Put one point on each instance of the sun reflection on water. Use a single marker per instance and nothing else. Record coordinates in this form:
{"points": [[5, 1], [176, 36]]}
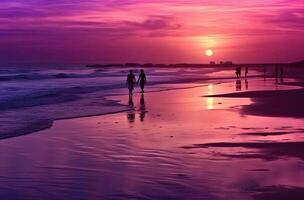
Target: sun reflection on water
{"points": [[210, 100]]}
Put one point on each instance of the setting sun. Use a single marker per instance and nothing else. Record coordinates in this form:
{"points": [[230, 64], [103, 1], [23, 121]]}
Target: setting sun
{"points": [[209, 52]]}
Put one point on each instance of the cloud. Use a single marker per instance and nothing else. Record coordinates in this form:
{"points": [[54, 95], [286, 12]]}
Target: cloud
{"points": [[293, 18], [154, 23]]}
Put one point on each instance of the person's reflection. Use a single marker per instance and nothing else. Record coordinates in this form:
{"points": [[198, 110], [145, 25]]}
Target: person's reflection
{"points": [[246, 84], [131, 103], [238, 85], [142, 110], [131, 113]]}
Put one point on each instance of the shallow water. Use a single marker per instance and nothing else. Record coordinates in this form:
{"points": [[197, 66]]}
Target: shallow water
{"points": [[27, 93], [149, 152]]}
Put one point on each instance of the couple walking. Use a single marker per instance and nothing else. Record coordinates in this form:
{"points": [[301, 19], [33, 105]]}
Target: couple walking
{"points": [[131, 80]]}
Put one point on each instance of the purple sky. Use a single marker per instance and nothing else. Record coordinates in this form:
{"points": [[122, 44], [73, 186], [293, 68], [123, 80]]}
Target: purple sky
{"points": [[76, 32]]}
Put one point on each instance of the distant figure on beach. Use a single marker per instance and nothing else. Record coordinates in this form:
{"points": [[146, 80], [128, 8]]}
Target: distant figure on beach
{"points": [[246, 84], [246, 72], [130, 82], [238, 72], [142, 80], [281, 72], [276, 72]]}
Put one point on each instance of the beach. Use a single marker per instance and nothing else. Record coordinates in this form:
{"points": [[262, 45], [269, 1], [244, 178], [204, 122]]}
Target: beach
{"points": [[151, 100], [199, 137]]}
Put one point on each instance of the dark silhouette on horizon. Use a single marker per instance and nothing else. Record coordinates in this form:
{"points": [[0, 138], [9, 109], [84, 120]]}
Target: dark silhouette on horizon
{"points": [[281, 72], [238, 72], [246, 71], [142, 80], [276, 72], [130, 82], [246, 84], [299, 63]]}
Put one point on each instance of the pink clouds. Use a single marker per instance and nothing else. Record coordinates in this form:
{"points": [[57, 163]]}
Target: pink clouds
{"points": [[99, 30]]}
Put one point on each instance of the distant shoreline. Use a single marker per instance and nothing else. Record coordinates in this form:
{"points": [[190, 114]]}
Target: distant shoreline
{"points": [[223, 64]]}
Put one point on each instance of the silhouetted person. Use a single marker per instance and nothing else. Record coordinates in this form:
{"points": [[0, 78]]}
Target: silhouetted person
{"points": [[142, 108], [142, 80], [238, 72], [276, 72], [246, 72], [130, 82], [281, 72], [246, 84]]}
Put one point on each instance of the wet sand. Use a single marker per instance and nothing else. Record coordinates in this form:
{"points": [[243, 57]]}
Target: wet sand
{"points": [[192, 143], [282, 103]]}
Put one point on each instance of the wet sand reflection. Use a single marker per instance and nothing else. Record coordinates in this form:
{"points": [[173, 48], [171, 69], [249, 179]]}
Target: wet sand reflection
{"points": [[141, 111]]}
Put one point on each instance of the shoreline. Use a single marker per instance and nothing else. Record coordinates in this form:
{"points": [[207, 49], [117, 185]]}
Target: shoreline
{"points": [[248, 109], [44, 124]]}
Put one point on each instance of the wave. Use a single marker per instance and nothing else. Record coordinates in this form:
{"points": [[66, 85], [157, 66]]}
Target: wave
{"points": [[37, 76]]}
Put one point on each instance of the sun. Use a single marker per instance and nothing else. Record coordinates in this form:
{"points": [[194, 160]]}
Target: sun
{"points": [[209, 52]]}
